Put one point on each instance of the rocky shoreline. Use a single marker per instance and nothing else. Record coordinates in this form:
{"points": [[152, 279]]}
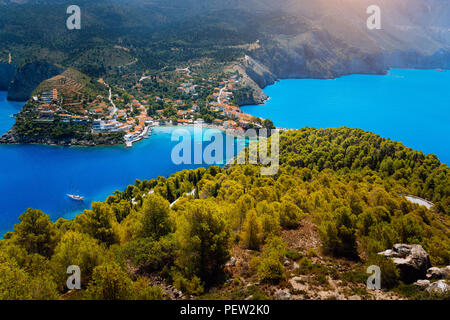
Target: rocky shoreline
{"points": [[11, 137]]}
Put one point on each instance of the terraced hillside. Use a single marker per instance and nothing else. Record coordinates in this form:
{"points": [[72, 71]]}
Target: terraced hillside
{"points": [[61, 111], [78, 92]]}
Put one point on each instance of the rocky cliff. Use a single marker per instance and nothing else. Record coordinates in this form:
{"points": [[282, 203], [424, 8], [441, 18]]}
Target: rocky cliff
{"points": [[313, 54], [28, 77], [6, 75], [327, 39], [318, 54]]}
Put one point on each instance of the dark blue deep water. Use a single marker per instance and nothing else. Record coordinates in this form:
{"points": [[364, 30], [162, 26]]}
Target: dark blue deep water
{"points": [[410, 106]]}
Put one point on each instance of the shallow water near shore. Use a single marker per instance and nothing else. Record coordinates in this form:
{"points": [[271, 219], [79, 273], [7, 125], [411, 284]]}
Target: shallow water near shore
{"points": [[410, 106], [38, 176]]}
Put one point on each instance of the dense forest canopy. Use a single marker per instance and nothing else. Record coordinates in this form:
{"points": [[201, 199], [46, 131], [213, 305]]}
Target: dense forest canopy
{"points": [[349, 183]]}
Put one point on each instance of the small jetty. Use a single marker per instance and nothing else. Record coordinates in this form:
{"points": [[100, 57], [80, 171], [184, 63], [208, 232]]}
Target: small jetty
{"points": [[132, 138]]}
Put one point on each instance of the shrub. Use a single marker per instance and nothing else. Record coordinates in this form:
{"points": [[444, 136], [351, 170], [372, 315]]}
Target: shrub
{"points": [[149, 254], [192, 286], [290, 215], [339, 236], [439, 251], [270, 270], [110, 282], [14, 282], [270, 225], [144, 291], [269, 266], [312, 253], [251, 236], [294, 255]]}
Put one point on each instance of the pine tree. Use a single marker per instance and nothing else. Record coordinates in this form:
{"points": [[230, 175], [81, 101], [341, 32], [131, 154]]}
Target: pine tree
{"points": [[252, 231]]}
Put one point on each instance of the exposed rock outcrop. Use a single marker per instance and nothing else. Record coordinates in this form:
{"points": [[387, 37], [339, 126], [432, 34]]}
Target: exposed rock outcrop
{"points": [[438, 273], [282, 295], [438, 287], [422, 284], [253, 96], [6, 75], [411, 259], [28, 77], [312, 54], [414, 265], [414, 59]]}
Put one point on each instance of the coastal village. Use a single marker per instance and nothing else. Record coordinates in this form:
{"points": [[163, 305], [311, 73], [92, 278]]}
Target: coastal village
{"points": [[185, 99]]}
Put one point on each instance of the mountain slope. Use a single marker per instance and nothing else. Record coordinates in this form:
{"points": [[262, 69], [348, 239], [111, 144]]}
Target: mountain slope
{"points": [[301, 38]]}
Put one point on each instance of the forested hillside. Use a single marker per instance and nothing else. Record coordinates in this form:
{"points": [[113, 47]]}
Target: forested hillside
{"points": [[316, 38], [312, 228], [114, 34]]}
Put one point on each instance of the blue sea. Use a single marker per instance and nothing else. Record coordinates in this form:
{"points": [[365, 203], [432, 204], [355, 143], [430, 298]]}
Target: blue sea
{"points": [[38, 176], [410, 106]]}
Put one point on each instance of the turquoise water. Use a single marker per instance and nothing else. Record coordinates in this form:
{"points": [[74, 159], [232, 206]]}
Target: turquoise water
{"points": [[39, 176], [410, 106]]}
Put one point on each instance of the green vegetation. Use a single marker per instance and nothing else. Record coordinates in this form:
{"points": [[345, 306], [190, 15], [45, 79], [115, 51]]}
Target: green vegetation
{"points": [[116, 37], [349, 183], [269, 266]]}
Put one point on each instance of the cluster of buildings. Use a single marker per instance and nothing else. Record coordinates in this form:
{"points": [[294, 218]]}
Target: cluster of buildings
{"points": [[123, 120], [49, 107], [223, 105], [132, 118], [219, 102], [188, 88]]}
